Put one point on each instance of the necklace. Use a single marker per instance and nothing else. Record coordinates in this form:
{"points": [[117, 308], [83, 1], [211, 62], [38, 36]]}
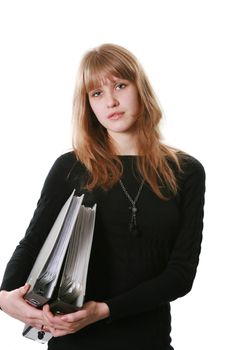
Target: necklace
{"points": [[133, 222]]}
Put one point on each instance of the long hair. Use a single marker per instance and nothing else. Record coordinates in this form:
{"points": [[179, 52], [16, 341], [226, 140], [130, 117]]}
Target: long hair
{"points": [[91, 143]]}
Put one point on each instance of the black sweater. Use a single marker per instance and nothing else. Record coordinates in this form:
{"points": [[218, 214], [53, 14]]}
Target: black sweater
{"points": [[137, 276]]}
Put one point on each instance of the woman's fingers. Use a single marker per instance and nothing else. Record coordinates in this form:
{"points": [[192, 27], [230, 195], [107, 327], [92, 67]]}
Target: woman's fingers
{"points": [[53, 321], [23, 290]]}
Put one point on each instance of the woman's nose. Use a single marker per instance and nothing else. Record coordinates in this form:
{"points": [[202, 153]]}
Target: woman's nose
{"points": [[112, 101]]}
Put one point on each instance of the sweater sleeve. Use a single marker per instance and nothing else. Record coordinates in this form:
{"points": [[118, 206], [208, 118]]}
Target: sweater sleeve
{"points": [[177, 278], [55, 191]]}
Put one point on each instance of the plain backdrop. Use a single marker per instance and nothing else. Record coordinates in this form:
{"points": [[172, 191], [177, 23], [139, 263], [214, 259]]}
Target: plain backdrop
{"points": [[186, 49]]}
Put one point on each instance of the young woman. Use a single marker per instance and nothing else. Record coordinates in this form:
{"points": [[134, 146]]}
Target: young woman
{"points": [[149, 219]]}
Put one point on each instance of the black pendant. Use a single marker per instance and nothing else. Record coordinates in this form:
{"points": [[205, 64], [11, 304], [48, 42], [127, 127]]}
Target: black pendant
{"points": [[133, 222], [134, 230]]}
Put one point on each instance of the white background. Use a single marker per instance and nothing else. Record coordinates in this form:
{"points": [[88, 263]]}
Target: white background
{"points": [[186, 49]]}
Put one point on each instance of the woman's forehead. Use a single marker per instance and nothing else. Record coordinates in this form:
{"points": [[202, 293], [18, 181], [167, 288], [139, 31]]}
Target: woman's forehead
{"points": [[106, 80], [101, 80]]}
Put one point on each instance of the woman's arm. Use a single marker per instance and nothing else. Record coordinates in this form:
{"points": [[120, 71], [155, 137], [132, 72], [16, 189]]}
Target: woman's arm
{"points": [[54, 193]]}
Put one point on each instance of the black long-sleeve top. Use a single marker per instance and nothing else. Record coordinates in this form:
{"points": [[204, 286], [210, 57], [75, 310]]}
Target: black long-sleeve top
{"points": [[137, 276]]}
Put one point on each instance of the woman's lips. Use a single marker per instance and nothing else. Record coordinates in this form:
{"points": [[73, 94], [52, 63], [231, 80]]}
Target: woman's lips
{"points": [[115, 116]]}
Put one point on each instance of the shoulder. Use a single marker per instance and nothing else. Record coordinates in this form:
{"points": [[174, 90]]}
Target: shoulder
{"points": [[65, 160], [191, 165], [192, 173], [62, 170], [186, 165], [66, 163]]}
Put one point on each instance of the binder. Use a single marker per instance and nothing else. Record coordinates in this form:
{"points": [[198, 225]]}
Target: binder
{"points": [[59, 274]]}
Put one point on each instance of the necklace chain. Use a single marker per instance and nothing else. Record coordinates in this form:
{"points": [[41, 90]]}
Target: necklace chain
{"points": [[133, 222]]}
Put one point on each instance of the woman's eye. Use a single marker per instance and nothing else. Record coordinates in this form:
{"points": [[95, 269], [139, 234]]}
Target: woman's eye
{"points": [[95, 93], [121, 86]]}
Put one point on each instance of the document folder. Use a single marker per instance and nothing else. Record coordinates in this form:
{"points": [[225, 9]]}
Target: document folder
{"points": [[59, 274]]}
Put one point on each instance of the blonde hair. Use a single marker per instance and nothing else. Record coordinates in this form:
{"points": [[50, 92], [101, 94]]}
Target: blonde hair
{"points": [[91, 143]]}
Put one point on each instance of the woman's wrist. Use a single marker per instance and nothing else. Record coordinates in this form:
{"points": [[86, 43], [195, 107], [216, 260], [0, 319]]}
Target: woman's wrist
{"points": [[1, 293], [103, 311]]}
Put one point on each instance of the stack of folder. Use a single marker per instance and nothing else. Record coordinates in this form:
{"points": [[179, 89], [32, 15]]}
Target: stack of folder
{"points": [[59, 274]]}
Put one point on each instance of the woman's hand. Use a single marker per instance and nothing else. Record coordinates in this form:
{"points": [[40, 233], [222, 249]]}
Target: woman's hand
{"points": [[14, 304], [70, 323]]}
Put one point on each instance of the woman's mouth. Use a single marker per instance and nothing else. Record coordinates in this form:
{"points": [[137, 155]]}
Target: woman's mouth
{"points": [[115, 116]]}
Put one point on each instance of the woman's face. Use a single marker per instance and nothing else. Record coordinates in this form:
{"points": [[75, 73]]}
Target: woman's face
{"points": [[115, 104]]}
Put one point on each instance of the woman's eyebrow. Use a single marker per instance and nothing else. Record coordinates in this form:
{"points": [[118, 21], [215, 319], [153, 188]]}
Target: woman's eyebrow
{"points": [[106, 81]]}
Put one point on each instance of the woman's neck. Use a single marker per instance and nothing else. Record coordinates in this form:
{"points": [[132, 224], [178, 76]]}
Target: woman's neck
{"points": [[124, 144]]}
